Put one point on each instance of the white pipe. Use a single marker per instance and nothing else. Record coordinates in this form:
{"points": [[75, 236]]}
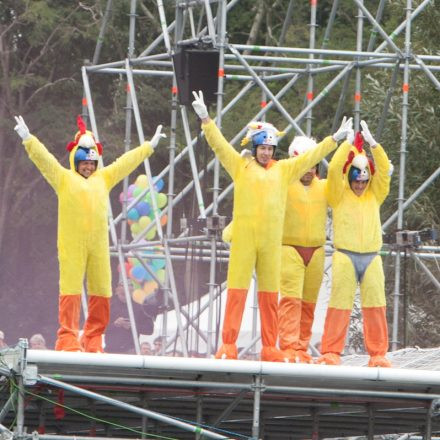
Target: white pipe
{"points": [[326, 373]]}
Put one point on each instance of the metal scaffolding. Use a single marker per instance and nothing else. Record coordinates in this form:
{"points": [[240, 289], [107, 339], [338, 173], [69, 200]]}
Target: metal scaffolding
{"points": [[49, 395], [250, 66]]}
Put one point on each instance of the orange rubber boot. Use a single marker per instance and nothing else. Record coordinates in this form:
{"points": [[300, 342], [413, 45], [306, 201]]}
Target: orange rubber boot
{"points": [[329, 359], [305, 332], [97, 320], [376, 336], [333, 339], [68, 315], [268, 302], [305, 327], [289, 316], [235, 303]]}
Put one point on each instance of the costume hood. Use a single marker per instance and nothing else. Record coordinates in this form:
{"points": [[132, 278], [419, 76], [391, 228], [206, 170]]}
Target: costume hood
{"points": [[357, 158], [84, 139], [261, 133]]}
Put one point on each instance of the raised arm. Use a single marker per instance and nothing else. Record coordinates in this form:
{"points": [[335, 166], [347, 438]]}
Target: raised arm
{"points": [[225, 152], [335, 175], [49, 167], [380, 181], [128, 162], [228, 156], [300, 165]]}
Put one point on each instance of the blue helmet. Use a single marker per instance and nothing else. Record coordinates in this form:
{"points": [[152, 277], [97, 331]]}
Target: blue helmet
{"points": [[83, 153], [261, 133]]}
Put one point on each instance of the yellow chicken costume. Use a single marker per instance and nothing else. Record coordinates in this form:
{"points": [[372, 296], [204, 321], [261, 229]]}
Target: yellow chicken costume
{"points": [[357, 240], [258, 216], [83, 244], [302, 259]]}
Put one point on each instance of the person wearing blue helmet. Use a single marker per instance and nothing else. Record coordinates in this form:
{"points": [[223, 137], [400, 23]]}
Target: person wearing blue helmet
{"points": [[83, 244], [260, 192]]}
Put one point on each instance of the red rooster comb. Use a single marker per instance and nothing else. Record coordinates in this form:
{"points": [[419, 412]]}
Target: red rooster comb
{"points": [[82, 127], [358, 141]]}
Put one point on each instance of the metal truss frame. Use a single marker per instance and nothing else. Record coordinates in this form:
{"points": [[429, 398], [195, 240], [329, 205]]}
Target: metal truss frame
{"points": [[241, 63], [49, 395]]}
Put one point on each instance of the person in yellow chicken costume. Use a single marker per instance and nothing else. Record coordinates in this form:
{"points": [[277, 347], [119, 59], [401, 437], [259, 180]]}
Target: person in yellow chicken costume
{"points": [[83, 245], [356, 188], [260, 191], [302, 257]]}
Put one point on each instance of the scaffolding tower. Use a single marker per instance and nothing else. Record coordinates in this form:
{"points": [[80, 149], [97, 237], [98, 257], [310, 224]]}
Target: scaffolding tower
{"points": [[203, 23], [46, 395]]}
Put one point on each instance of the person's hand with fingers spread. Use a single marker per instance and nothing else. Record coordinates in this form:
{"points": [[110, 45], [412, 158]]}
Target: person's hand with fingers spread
{"points": [[341, 133], [157, 136], [21, 128], [200, 106], [366, 134]]}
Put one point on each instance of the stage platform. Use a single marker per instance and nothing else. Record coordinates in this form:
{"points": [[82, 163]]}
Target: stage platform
{"points": [[130, 396]]}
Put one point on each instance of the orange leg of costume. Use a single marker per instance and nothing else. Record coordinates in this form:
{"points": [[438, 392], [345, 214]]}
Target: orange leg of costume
{"points": [[68, 316], [374, 314], [305, 331], [289, 317], [343, 289], [268, 303], [96, 323], [376, 335], [335, 332], [235, 303]]}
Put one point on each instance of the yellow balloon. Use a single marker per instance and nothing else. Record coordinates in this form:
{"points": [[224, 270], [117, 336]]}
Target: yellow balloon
{"points": [[143, 222], [161, 275], [138, 296], [141, 181], [161, 199], [150, 287], [135, 229], [150, 234]]}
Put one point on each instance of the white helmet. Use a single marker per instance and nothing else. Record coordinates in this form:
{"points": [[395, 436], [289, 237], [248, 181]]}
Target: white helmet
{"points": [[300, 145]]}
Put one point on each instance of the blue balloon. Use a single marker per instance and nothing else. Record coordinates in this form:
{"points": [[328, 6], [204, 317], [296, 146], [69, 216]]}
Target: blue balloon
{"points": [[133, 214], [159, 185], [139, 272], [143, 208], [148, 276], [158, 263]]}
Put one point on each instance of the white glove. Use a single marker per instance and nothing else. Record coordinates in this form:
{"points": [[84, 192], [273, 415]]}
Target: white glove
{"points": [[366, 134], [21, 128], [341, 133], [391, 169], [199, 105], [157, 136], [350, 136]]}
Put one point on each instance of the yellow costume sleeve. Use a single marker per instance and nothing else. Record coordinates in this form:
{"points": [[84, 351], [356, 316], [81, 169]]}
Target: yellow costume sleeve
{"points": [[49, 167], [380, 183], [298, 166], [225, 152], [125, 164], [335, 176], [227, 233]]}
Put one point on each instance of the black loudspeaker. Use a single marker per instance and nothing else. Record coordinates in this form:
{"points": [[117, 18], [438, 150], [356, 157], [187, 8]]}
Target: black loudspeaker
{"points": [[196, 70]]}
